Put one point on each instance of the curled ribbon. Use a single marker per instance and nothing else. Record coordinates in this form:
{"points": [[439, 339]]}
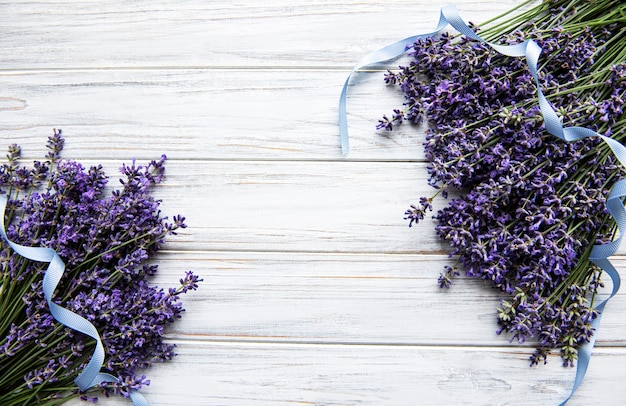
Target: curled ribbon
{"points": [[90, 375], [531, 51]]}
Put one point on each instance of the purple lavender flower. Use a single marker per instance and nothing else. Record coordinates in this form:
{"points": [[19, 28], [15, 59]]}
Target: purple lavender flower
{"points": [[106, 243], [528, 205]]}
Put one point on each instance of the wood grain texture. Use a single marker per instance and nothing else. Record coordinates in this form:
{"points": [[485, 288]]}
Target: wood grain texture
{"points": [[315, 290], [337, 298], [271, 374], [219, 33], [261, 114]]}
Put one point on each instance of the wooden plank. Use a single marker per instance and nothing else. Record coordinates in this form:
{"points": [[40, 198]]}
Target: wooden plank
{"points": [[271, 374], [62, 34], [343, 298], [196, 114], [295, 206]]}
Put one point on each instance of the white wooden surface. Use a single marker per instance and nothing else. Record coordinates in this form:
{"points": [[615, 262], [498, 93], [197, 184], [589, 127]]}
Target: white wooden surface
{"points": [[316, 291]]}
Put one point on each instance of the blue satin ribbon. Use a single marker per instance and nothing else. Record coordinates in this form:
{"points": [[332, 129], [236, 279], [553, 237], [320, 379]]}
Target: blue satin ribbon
{"points": [[90, 375], [531, 51], [383, 54]]}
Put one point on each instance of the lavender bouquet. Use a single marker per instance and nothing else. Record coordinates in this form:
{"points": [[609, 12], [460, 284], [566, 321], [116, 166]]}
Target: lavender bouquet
{"points": [[528, 206], [105, 241]]}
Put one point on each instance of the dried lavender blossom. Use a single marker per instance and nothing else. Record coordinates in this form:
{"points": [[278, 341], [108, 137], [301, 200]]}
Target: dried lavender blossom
{"points": [[106, 242], [529, 205]]}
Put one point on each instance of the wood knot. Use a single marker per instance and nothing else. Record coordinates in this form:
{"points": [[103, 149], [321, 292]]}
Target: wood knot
{"points": [[12, 103]]}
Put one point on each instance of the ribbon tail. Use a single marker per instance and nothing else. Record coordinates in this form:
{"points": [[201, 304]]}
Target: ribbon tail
{"points": [[381, 55]]}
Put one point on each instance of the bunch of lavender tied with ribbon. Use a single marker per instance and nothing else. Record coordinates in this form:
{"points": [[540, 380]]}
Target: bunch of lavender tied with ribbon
{"points": [[105, 241], [529, 206]]}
